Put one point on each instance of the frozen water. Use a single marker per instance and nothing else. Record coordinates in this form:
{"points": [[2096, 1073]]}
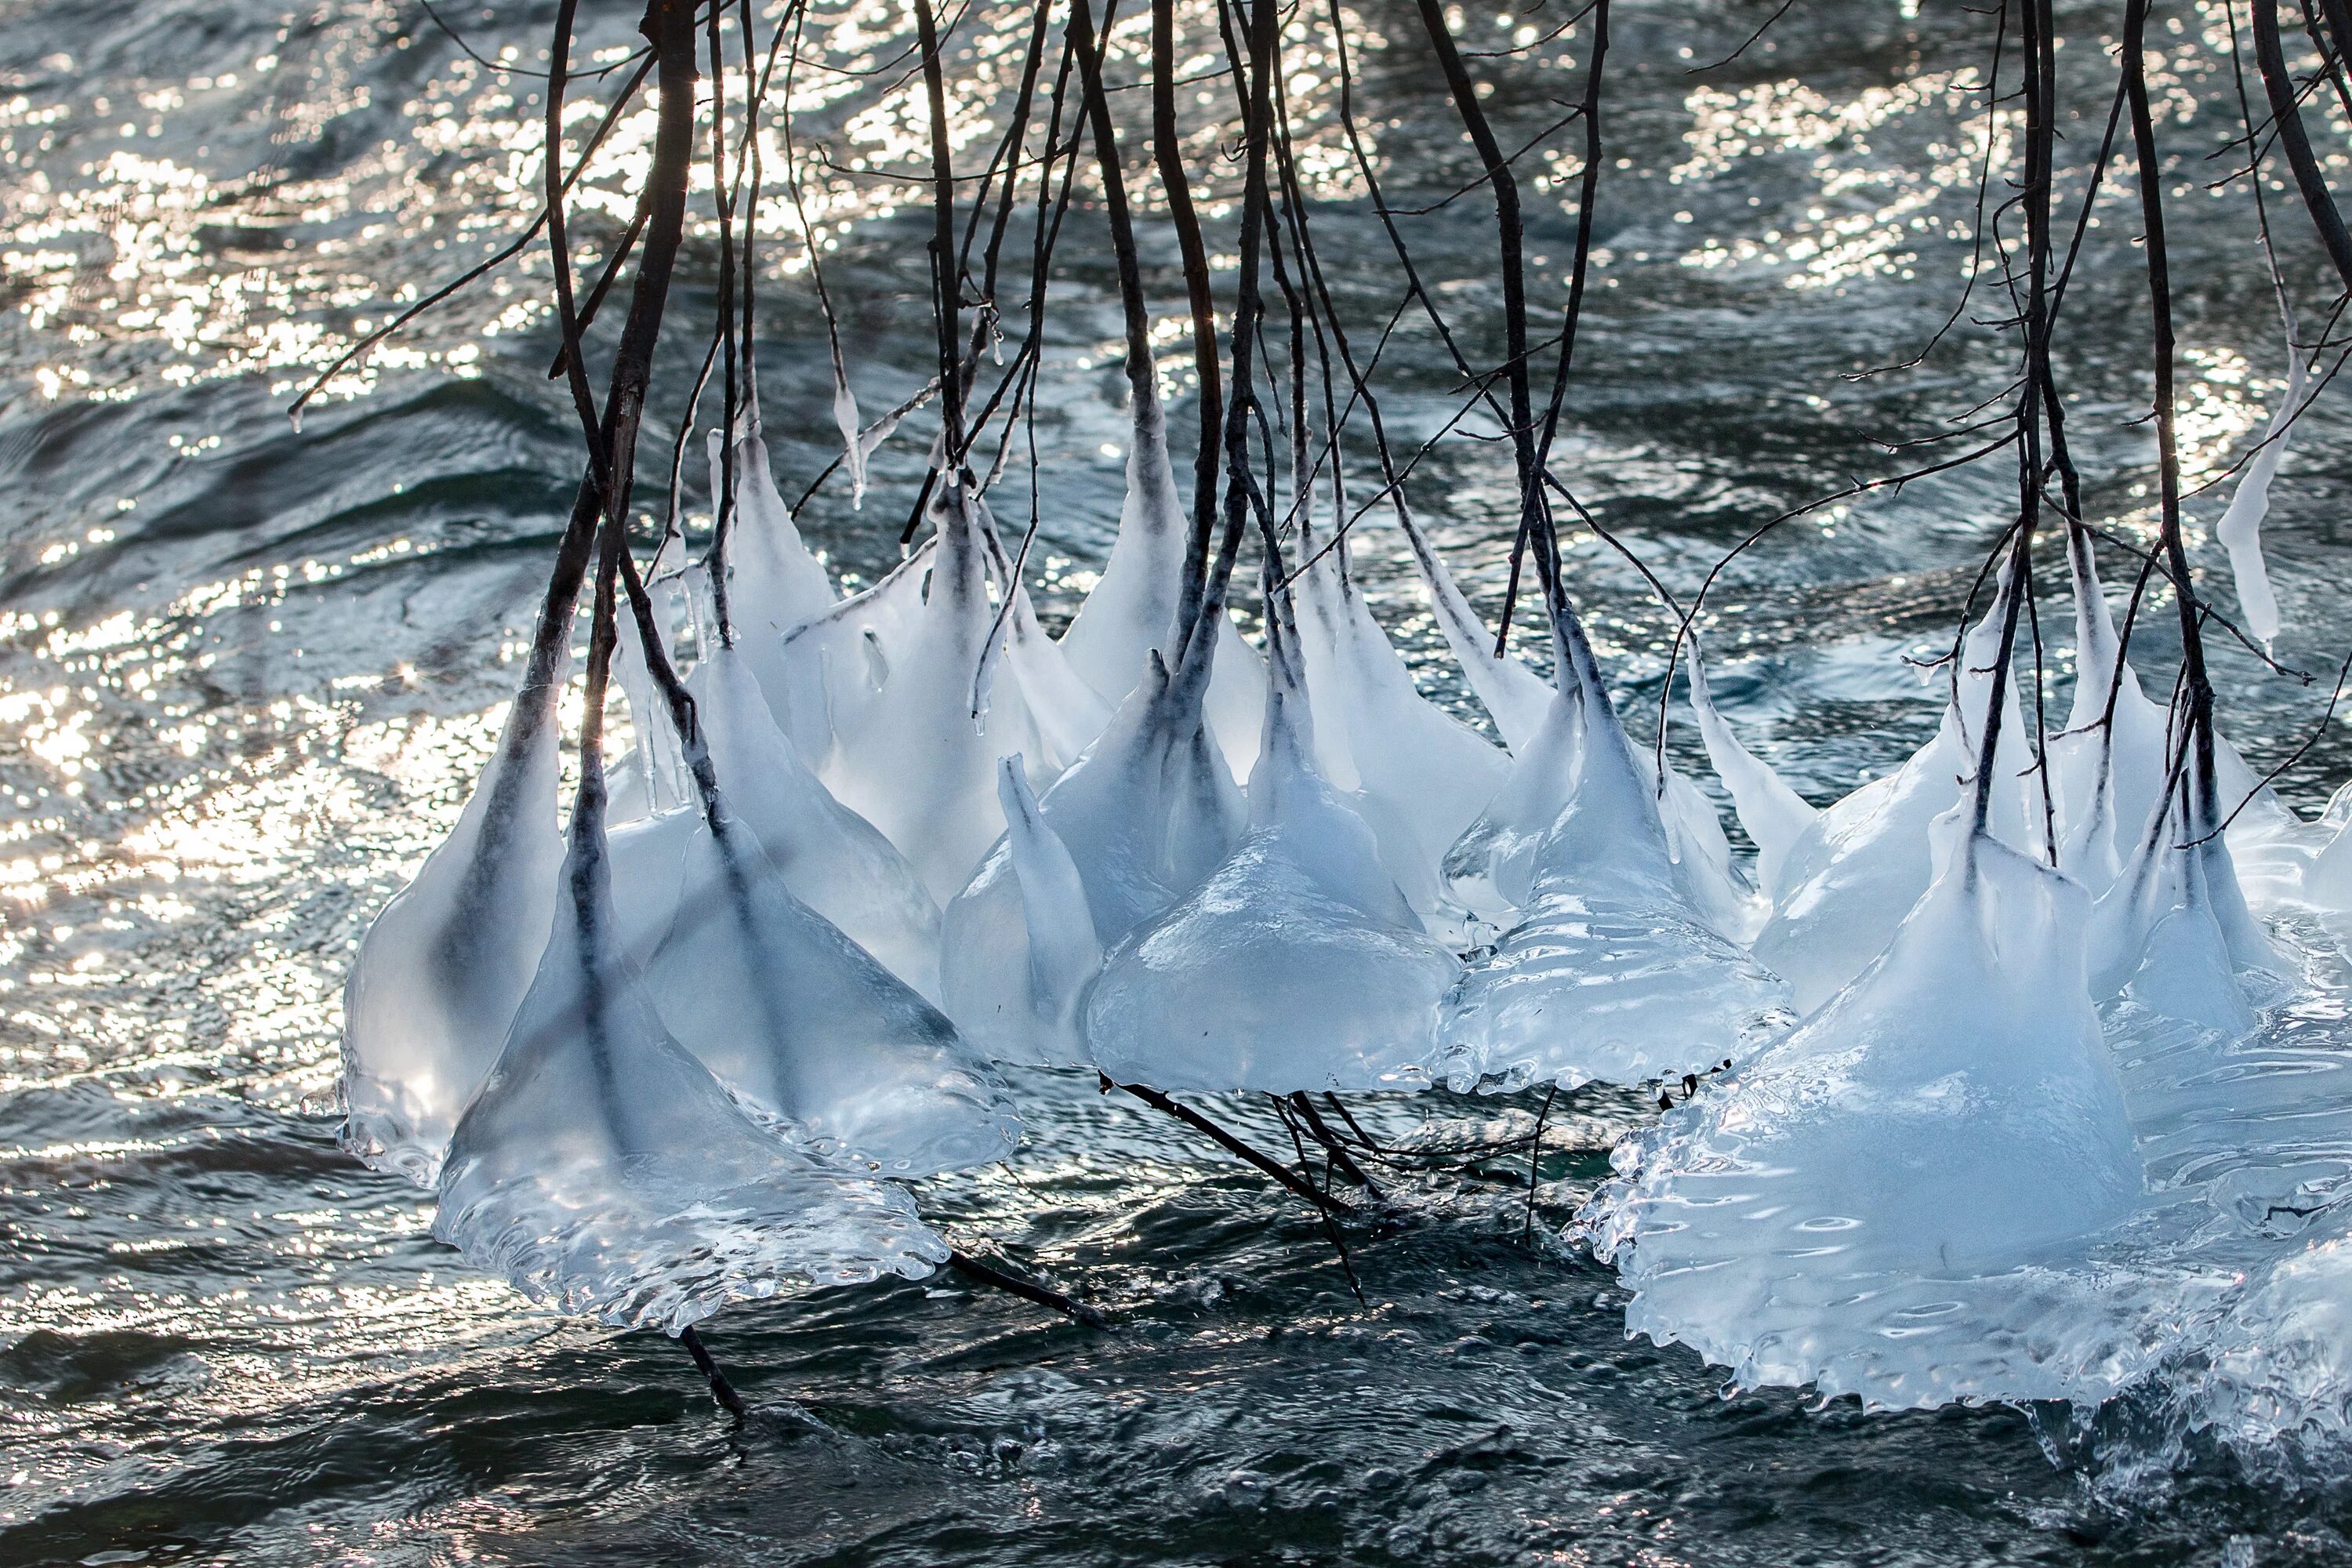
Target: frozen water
{"points": [[1418, 775], [1865, 861], [1610, 971], [1023, 944], [788, 1013], [1143, 818], [1066, 712], [2241, 528], [1131, 609], [1298, 965], [1515, 697], [2108, 768], [918, 765], [653, 776], [774, 585], [2173, 930], [847, 652], [439, 975], [1896, 1199], [603, 1169], [1776, 816], [828, 857]]}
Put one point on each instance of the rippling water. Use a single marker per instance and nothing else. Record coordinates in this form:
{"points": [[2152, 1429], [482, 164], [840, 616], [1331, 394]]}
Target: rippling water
{"points": [[247, 675]]}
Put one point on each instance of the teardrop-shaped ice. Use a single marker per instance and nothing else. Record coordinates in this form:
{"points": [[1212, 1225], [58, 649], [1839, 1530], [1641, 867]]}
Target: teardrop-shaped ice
{"points": [[1298, 965], [440, 973], [2173, 930], [602, 1168], [2241, 528]]}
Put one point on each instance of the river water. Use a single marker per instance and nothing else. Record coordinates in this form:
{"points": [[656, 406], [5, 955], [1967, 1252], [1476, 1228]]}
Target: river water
{"points": [[247, 675]]}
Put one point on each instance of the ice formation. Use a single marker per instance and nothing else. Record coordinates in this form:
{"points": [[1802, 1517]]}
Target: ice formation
{"points": [[1132, 609], [826, 855], [1857, 871], [602, 1168], [919, 764], [1777, 817], [774, 585], [1298, 964], [2241, 528], [1611, 971], [1143, 818], [1888, 1201], [440, 973], [1415, 774], [1514, 696]]}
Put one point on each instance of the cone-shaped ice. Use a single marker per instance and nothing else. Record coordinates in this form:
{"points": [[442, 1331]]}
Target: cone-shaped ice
{"points": [[441, 972], [1610, 973], [787, 1012], [1876, 1203], [1515, 697], [1131, 609], [1865, 861], [1298, 964], [1026, 943], [774, 585], [1066, 712], [2173, 931], [604, 1169], [829, 857], [1776, 817], [1143, 818], [1418, 775], [2109, 766], [652, 777], [2241, 528], [917, 765]]}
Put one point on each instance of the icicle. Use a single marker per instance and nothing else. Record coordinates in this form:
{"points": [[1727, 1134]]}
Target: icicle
{"points": [[441, 970], [603, 1169], [2241, 528], [652, 777], [847, 420], [1298, 964], [1871, 1204], [1418, 775], [1612, 973], [1515, 697], [1776, 817], [828, 857], [1131, 609]]}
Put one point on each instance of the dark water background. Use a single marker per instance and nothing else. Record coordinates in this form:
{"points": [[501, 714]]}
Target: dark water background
{"points": [[245, 676]]}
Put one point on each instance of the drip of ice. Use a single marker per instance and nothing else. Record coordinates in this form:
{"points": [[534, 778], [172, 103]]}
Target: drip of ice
{"points": [[848, 421], [1612, 972], [774, 585], [1417, 774], [790, 1014], [1143, 818], [603, 1169], [827, 855], [439, 975], [1517, 698], [1776, 816], [2241, 528], [1865, 861], [920, 765], [1298, 965], [1894, 1199], [1131, 609]]}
